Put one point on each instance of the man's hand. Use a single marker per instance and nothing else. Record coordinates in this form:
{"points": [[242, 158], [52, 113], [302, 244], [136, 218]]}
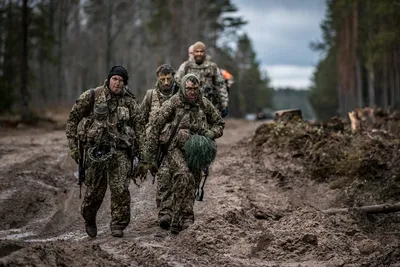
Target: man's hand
{"points": [[224, 112], [143, 167], [75, 155], [209, 134]]}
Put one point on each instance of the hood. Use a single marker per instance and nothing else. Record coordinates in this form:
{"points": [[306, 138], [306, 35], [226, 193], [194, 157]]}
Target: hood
{"points": [[182, 89]]}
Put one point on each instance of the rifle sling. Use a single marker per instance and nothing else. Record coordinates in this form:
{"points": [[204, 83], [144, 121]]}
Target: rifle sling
{"points": [[166, 146]]}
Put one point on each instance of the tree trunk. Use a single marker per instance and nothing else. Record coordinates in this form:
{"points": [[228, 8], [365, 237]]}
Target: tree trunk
{"points": [[371, 87], [385, 89], [108, 33], [26, 115], [392, 81], [60, 80], [396, 79], [360, 101]]}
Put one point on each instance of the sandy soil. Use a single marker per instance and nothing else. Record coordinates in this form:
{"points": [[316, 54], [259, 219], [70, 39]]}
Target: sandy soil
{"points": [[257, 211]]}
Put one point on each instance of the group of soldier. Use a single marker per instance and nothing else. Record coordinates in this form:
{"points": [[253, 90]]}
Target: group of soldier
{"points": [[115, 140]]}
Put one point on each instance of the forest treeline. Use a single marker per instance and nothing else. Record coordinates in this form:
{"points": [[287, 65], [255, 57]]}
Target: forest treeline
{"points": [[53, 50]]}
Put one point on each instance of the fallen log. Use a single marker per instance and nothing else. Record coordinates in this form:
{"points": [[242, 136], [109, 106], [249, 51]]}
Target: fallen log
{"points": [[383, 208], [288, 115]]}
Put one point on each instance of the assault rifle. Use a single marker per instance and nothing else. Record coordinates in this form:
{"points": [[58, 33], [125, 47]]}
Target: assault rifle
{"points": [[211, 94], [163, 148], [200, 190], [81, 169]]}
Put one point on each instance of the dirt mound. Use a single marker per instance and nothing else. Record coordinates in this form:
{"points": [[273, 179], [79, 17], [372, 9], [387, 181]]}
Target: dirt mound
{"points": [[57, 254], [260, 207], [35, 179], [365, 164]]}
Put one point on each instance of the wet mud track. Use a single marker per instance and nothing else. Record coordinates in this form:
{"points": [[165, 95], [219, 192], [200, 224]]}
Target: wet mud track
{"points": [[255, 212]]}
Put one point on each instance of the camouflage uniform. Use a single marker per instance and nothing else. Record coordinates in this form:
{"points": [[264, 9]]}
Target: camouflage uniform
{"points": [[152, 102], [119, 130], [209, 75], [194, 118]]}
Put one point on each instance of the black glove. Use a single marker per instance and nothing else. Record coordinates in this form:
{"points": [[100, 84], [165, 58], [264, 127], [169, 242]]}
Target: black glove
{"points": [[224, 112], [143, 167]]}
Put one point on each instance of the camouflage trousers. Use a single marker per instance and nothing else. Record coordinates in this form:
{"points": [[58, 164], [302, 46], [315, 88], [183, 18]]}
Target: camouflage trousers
{"points": [[115, 174], [176, 187]]}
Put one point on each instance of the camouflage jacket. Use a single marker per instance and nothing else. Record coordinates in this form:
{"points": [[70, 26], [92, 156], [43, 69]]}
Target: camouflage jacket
{"points": [[208, 74], [153, 100], [120, 126], [192, 118]]}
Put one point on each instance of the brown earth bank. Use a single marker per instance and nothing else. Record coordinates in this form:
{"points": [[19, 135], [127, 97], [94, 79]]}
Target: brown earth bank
{"points": [[262, 206]]}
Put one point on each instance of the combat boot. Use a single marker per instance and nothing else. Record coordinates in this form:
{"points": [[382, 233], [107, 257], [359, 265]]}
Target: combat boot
{"points": [[91, 228], [186, 223], [117, 232], [165, 221], [175, 229]]}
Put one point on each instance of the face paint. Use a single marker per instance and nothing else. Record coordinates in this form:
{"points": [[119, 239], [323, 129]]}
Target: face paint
{"points": [[192, 90], [165, 80]]}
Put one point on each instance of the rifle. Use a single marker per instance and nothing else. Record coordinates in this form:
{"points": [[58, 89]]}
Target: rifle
{"points": [[200, 191], [81, 170], [211, 94], [163, 148], [82, 154]]}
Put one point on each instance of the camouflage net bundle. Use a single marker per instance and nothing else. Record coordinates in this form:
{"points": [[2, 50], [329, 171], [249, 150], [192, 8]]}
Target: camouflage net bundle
{"points": [[330, 152], [99, 159], [200, 152]]}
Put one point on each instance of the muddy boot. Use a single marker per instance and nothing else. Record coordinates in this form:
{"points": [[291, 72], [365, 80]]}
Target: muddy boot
{"points": [[175, 229], [165, 221], [91, 228], [186, 223], [117, 232]]}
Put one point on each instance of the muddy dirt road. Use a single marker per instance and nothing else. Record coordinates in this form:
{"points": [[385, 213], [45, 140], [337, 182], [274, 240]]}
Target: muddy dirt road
{"points": [[252, 214]]}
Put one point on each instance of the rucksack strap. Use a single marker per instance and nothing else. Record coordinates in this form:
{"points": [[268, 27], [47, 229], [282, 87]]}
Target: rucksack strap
{"points": [[91, 102], [186, 68], [149, 97]]}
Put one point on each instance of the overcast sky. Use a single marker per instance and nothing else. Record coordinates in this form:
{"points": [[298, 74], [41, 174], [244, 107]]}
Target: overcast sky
{"points": [[281, 31]]}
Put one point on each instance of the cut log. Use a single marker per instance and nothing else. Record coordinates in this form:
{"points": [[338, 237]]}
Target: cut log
{"points": [[288, 115], [383, 208], [355, 121]]}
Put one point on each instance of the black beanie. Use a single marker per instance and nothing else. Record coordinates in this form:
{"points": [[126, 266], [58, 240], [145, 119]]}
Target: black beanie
{"points": [[120, 71]]}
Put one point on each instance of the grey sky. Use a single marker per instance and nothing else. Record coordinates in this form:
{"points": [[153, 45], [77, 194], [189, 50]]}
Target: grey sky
{"points": [[281, 31]]}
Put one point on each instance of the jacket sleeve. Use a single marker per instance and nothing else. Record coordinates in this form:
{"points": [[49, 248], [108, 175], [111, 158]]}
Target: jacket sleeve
{"points": [[138, 124], [180, 73], [145, 107], [79, 110], [164, 115]]}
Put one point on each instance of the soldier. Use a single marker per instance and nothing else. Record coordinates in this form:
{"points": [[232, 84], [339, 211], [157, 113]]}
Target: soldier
{"points": [[211, 81], [104, 122], [153, 100], [183, 116], [190, 52]]}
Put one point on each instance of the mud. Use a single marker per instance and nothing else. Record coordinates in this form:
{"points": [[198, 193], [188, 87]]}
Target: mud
{"points": [[259, 209]]}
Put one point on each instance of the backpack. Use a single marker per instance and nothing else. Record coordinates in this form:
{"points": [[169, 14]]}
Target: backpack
{"points": [[85, 121]]}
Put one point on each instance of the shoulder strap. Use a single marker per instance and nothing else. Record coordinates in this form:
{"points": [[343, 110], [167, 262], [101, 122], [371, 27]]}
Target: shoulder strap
{"points": [[91, 102], [186, 68], [149, 97], [174, 131]]}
